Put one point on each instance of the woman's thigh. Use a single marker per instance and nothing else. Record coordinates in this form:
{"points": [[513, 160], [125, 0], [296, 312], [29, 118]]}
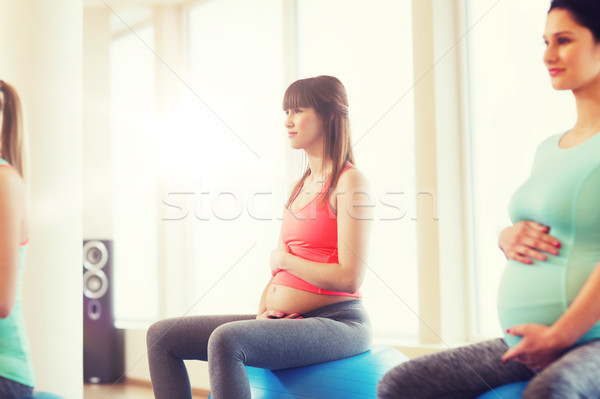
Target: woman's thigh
{"points": [[463, 372], [187, 337], [285, 343], [575, 375]]}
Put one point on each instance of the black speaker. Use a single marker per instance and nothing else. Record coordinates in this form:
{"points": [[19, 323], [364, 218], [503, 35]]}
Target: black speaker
{"points": [[103, 344]]}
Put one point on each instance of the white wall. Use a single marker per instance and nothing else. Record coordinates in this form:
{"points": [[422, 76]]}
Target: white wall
{"points": [[96, 144], [40, 53]]}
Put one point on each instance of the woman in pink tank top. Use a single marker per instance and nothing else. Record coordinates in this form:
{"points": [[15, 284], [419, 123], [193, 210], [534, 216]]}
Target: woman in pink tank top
{"points": [[311, 310], [322, 249]]}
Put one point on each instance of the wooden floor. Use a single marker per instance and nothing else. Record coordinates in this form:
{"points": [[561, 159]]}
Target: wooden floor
{"points": [[126, 390]]}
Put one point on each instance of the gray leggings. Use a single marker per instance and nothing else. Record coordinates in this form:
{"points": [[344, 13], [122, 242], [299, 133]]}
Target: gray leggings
{"points": [[469, 371], [10, 389], [229, 342]]}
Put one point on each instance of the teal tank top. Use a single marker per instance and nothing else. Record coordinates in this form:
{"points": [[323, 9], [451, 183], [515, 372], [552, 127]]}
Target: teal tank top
{"points": [[563, 192], [15, 363]]}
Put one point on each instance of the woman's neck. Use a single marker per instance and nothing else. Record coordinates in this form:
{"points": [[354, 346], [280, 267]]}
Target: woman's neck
{"points": [[319, 170], [588, 110]]}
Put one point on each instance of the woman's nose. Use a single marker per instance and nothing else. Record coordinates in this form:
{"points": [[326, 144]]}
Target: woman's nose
{"points": [[288, 121], [549, 54]]}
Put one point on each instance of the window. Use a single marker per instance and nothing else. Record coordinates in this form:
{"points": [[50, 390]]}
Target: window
{"points": [[223, 167], [237, 65], [234, 146], [369, 49], [512, 108]]}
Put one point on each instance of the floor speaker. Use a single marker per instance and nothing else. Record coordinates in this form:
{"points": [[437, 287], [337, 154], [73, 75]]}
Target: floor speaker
{"points": [[103, 344]]}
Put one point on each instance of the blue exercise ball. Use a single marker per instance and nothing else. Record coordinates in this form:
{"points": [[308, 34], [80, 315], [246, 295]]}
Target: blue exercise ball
{"points": [[354, 377], [45, 395]]}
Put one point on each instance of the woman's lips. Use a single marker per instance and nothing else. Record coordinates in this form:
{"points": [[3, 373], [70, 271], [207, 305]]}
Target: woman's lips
{"points": [[555, 71]]}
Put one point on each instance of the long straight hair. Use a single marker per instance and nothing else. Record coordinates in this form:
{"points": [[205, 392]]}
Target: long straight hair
{"points": [[327, 96], [11, 130]]}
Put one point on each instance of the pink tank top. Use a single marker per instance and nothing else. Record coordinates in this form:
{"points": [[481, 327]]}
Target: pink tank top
{"points": [[311, 233]]}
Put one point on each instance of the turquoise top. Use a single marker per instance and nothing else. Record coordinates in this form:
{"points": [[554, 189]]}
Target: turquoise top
{"points": [[15, 363], [563, 192]]}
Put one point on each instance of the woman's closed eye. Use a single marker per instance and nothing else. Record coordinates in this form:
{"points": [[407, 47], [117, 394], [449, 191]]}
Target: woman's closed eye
{"points": [[563, 40]]}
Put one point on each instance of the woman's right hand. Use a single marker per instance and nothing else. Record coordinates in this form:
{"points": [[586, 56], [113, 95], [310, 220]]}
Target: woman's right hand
{"points": [[525, 241], [275, 314]]}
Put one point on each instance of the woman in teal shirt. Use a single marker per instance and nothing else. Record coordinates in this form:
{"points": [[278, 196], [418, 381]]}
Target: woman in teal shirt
{"points": [[16, 371], [549, 295]]}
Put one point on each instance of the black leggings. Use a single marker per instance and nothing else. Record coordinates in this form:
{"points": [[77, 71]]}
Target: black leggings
{"points": [[232, 341], [471, 370]]}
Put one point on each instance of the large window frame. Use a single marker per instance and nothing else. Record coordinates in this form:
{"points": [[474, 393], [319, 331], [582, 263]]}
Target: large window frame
{"points": [[175, 242]]}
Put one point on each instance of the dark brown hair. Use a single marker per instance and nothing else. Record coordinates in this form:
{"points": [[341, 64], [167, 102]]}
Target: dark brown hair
{"points": [[327, 96], [585, 12], [11, 130]]}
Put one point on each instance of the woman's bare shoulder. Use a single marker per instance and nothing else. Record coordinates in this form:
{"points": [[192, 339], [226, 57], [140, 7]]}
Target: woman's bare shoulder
{"points": [[352, 178]]}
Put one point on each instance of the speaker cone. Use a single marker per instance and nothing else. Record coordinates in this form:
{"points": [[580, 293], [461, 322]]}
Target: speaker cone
{"points": [[95, 255], [95, 284]]}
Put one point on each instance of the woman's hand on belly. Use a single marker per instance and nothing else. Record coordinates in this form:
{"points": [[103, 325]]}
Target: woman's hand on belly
{"points": [[526, 240], [538, 348], [276, 314]]}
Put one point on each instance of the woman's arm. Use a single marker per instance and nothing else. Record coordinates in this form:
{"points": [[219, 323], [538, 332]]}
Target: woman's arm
{"points": [[583, 312], [354, 219], [11, 216], [541, 344]]}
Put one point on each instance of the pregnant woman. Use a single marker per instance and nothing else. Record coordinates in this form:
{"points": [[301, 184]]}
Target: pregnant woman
{"points": [[310, 311], [549, 295]]}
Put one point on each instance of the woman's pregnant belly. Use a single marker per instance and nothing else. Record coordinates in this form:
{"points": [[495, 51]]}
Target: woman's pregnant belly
{"points": [[531, 294], [291, 300]]}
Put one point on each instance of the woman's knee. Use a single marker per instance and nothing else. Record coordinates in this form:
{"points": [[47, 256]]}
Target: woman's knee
{"points": [[551, 386], [157, 333], [386, 386], [396, 383], [226, 341]]}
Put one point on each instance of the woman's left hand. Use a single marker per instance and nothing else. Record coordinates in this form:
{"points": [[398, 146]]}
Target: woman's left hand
{"points": [[277, 259], [538, 346]]}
